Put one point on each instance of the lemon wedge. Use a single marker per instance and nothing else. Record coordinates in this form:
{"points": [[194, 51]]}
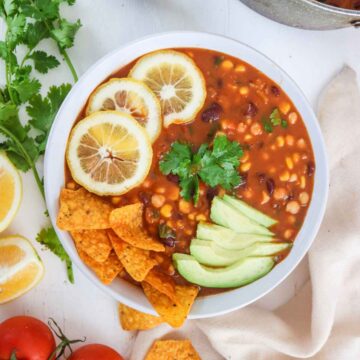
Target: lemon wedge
{"points": [[20, 267], [10, 191], [130, 96], [176, 81], [109, 153]]}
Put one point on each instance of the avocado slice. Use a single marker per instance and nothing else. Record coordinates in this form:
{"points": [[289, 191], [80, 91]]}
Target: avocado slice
{"points": [[225, 214], [227, 238], [209, 253], [238, 274], [249, 211]]}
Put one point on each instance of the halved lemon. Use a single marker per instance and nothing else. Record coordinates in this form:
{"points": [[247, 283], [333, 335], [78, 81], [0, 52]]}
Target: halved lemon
{"points": [[10, 191], [20, 267], [109, 153], [176, 81], [130, 96]]}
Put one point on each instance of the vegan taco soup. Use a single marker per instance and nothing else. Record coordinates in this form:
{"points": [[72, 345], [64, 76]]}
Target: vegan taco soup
{"points": [[188, 172]]}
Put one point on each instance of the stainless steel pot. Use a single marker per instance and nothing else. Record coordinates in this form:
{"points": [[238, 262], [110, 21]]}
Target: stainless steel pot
{"points": [[305, 14]]}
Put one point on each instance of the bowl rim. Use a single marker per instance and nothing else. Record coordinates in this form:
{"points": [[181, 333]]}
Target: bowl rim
{"points": [[332, 9], [130, 295]]}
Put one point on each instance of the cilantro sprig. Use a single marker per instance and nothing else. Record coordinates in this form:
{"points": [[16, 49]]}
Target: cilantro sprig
{"points": [[28, 22], [274, 119], [214, 166]]}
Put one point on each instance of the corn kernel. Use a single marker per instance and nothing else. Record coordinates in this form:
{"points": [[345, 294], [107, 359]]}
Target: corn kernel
{"points": [[245, 167], [184, 206], [288, 233], [240, 68], [292, 118], [71, 185], [265, 198], [244, 90], [245, 157], [290, 140], [272, 170], [188, 231], [158, 200], [166, 210], [289, 163], [291, 219], [192, 216], [160, 190], [280, 141], [284, 176], [302, 182], [227, 124], [293, 178], [248, 137], [296, 157], [146, 183], [284, 107], [265, 156], [201, 217], [280, 193], [273, 147], [248, 193], [227, 65], [115, 200]]}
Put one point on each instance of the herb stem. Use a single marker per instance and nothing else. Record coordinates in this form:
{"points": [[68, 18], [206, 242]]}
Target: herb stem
{"points": [[27, 55], [27, 158], [66, 57]]}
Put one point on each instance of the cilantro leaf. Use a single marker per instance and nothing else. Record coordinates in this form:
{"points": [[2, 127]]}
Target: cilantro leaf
{"points": [[26, 88], [9, 7], [44, 62], [49, 238], [267, 125], [16, 25], [34, 33], [275, 117], [65, 33], [216, 166]]}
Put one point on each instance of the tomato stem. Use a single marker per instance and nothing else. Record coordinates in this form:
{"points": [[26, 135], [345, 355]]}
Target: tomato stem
{"points": [[64, 344]]}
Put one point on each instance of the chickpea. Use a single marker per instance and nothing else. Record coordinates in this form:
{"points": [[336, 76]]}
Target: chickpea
{"points": [[291, 219], [288, 234], [293, 118], [301, 144], [293, 178], [304, 198], [166, 211], [158, 200], [290, 140], [293, 207], [280, 193], [241, 128], [146, 184], [160, 190], [256, 129], [184, 206], [227, 124]]}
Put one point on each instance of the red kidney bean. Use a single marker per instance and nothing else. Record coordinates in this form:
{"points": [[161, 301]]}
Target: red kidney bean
{"points": [[270, 186], [212, 113], [211, 193], [251, 110], [310, 169], [144, 197], [261, 177], [173, 178], [275, 90]]}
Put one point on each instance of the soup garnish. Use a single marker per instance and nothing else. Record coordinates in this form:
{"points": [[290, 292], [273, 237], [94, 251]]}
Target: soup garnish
{"points": [[223, 197]]}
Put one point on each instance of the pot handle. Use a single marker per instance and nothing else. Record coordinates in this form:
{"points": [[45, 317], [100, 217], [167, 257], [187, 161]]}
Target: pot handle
{"points": [[355, 23]]}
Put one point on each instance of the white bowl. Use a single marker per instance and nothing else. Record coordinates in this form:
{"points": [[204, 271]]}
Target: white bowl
{"points": [[123, 291]]}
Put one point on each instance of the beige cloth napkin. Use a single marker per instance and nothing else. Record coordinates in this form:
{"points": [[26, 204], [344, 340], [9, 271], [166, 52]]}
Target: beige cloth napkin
{"points": [[323, 320]]}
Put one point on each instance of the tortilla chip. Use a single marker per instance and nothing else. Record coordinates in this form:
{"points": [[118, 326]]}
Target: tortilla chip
{"points": [[131, 319], [162, 283], [174, 313], [106, 271], [94, 243], [172, 350], [137, 262], [82, 210], [127, 222]]}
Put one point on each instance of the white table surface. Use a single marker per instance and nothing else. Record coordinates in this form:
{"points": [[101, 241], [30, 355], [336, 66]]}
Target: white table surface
{"points": [[311, 59]]}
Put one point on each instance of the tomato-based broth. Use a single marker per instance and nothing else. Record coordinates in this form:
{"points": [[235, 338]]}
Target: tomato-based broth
{"points": [[277, 167], [345, 4]]}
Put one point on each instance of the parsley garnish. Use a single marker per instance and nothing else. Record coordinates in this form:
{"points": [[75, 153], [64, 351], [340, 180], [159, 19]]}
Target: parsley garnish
{"points": [[214, 166], [27, 23]]}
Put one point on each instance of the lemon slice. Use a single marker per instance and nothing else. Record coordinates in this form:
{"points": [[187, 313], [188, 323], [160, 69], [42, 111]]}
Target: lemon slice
{"points": [[20, 267], [109, 153], [176, 81], [130, 96], [10, 191]]}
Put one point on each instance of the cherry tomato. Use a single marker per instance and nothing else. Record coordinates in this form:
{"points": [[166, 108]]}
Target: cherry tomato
{"points": [[95, 352], [28, 337]]}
